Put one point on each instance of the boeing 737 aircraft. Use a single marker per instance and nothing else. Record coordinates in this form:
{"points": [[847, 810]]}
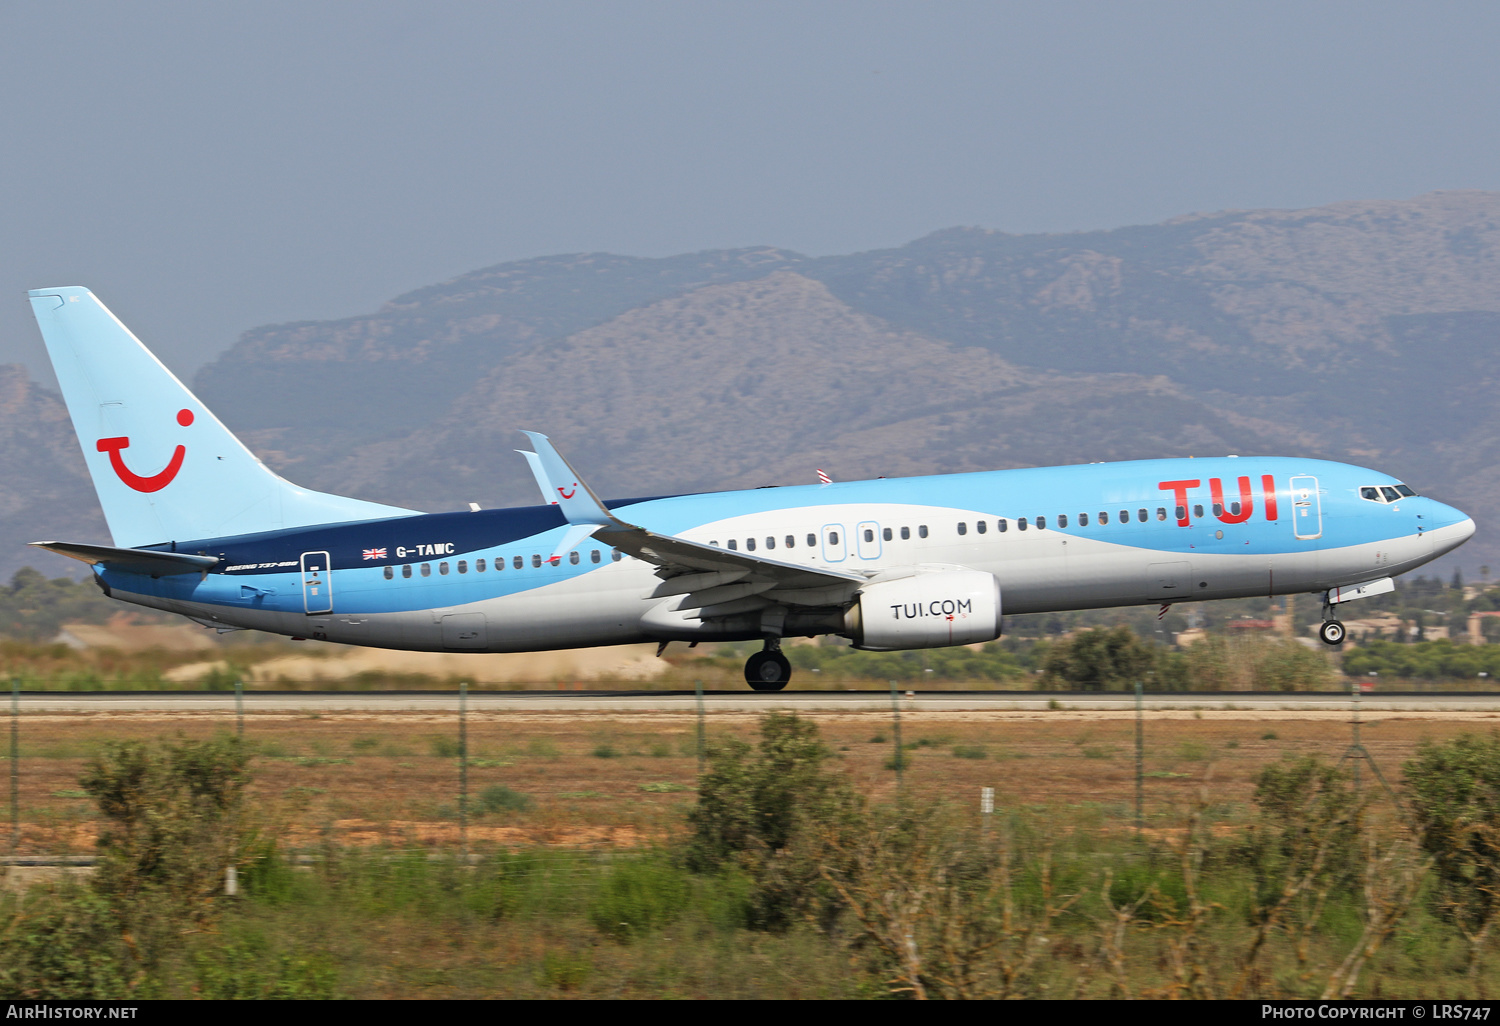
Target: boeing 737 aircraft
{"points": [[202, 528]]}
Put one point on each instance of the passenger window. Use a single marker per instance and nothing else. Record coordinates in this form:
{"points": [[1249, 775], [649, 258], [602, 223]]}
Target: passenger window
{"points": [[749, 544], [963, 528], [1103, 517], [1198, 512], [518, 563], [536, 560], [389, 573], [1142, 515], [1001, 525], [1391, 495], [573, 557], [869, 534], [406, 570], [615, 555], [443, 568], [479, 566], [791, 541], [463, 566], [905, 534], [982, 526], [1234, 509], [1161, 512], [715, 543], [1083, 520], [594, 556], [426, 569], [1062, 520], [1181, 512], [812, 541], [1041, 523], [1373, 494], [921, 530], [833, 537], [885, 534], [770, 543], [1021, 524], [1124, 516], [734, 546], [1218, 509]]}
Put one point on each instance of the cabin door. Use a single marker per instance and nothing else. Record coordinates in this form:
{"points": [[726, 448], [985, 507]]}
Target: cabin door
{"points": [[317, 583], [1307, 508]]}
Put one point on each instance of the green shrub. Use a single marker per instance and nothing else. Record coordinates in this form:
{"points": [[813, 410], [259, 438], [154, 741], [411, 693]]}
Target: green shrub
{"points": [[605, 751], [771, 811], [1454, 789], [443, 747], [970, 752], [637, 897]]}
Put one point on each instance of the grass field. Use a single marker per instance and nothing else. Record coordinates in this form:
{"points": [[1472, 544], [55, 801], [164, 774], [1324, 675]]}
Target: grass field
{"points": [[608, 780], [576, 885]]}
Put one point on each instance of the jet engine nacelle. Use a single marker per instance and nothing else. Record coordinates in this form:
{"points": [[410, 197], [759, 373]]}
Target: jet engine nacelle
{"points": [[931, 610]]}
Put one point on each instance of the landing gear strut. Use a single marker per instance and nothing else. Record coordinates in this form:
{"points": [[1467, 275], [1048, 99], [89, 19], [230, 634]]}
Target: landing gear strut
{"points": [[1332, 632], [768, 669]]}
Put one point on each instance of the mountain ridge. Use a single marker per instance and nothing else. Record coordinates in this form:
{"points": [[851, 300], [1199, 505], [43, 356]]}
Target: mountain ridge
{"points": [[1361, 330]]}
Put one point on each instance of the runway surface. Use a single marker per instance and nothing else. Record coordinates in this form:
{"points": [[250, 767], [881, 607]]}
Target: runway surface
{"points": [[746, 701]]}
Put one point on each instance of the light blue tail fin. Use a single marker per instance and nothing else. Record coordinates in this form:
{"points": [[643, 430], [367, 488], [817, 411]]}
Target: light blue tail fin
{"points": [[164, 467]]}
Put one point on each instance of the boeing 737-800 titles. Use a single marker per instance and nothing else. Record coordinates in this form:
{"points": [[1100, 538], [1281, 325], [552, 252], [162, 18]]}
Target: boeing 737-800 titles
{"points": [[202, 528]]}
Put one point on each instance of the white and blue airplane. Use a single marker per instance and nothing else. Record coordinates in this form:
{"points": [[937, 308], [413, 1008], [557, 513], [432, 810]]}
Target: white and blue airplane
{"points": [[202, 528]]}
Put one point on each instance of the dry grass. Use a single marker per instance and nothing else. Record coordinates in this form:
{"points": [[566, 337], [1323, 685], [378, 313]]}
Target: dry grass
{"points": [[613, 780]]}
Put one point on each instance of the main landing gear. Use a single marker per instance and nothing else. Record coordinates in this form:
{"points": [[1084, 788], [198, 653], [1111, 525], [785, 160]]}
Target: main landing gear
{"points": [[768, 669]]}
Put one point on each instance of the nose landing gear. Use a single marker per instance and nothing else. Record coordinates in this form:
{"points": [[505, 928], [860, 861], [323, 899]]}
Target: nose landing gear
{"points": [[1332, 632], [768, 669]]}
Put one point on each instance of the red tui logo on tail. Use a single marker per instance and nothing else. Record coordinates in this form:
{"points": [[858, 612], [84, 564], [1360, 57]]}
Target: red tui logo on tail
{"points": [[156, 482]]}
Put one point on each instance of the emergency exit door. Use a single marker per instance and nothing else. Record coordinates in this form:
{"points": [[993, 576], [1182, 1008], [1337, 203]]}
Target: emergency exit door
{"points": [[317, 583]]}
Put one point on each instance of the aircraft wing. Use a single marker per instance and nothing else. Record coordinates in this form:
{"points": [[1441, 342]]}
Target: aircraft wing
{"points": [[703, 569], [135, 561]]}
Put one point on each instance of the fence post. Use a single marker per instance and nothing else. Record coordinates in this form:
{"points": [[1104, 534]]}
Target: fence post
{"points": [[702, 739], [239, 708], [463, 768], [896, 714], [15, 764], [1140, 756], [986, 809]]}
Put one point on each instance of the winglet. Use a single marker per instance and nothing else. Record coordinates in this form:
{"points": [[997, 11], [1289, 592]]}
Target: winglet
{"points": [[535, 463], [577, 500], [561, 485]]}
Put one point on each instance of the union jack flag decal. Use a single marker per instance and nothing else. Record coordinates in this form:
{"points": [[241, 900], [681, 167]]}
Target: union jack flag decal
{"points": [[374, 553]]}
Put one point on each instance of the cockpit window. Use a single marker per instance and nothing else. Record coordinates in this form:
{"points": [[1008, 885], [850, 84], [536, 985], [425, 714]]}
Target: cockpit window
{"points": [[1405, 491], [1391, 495], [1370, 492]]}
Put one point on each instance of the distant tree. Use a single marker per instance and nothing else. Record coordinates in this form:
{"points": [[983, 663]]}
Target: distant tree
{"points": [[1112, 659]]}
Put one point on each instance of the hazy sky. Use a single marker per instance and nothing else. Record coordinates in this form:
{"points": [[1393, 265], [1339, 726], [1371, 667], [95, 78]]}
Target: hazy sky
{"points": [[211, 167]]}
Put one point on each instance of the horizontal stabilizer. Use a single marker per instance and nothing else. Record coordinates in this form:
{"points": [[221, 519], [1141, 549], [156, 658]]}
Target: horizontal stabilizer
{"points": [[135, 561]]}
